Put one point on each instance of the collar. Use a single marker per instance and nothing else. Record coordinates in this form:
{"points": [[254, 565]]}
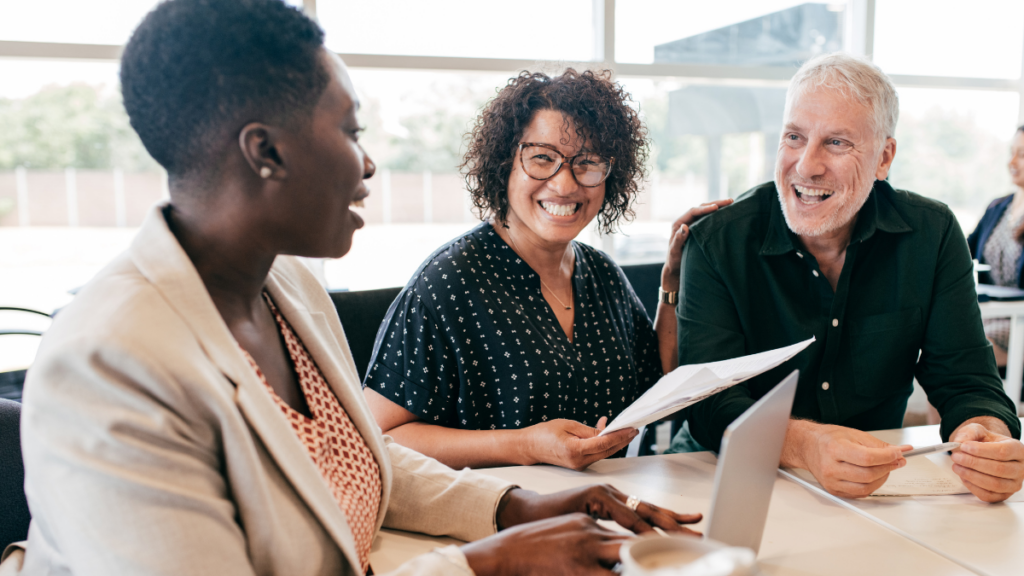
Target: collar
{"points": [[159, 257], [878, 213]]}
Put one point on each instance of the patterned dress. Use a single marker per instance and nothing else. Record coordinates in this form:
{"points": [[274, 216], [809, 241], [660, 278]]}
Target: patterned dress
{"points": [[471, 343], [332, 441], [1002, 251]]}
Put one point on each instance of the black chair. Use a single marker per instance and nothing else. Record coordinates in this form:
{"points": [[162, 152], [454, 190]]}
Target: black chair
{"points": [[645, 279], [14, 514], [13, 381], [361, 313]]}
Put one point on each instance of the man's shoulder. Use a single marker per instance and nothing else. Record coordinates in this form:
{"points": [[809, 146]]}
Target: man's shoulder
{"points": [[920, 212], [748, 216]]}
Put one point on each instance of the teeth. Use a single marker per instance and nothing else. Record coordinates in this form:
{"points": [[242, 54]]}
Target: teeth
{"points": [[812, 192], [559, 209], [358, 203]]}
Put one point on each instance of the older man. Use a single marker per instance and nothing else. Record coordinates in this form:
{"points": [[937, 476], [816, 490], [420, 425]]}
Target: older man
{"points": [[881, 277]]}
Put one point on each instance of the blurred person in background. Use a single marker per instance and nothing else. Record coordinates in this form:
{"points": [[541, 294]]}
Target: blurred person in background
{"points": [[195, 409], [511, 341], [998, 241]]}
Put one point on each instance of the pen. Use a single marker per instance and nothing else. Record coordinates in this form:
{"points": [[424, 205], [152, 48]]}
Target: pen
{"points": [[930, 449]]}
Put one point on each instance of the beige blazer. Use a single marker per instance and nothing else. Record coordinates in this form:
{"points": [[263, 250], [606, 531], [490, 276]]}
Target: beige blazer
{"points": [[151, 447]]}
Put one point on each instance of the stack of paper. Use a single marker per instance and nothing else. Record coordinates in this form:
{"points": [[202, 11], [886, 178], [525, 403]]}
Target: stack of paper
{"points": [[692, 383]]}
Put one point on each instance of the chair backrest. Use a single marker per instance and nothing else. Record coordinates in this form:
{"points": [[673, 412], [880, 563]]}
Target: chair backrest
{"points": [[14, 514], [645, 279], [361, 313]]}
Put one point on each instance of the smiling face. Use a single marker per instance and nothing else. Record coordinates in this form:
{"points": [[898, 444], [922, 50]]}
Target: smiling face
{"points": [[327, 169], [829, 158], [1017, 160], [556, 210]]}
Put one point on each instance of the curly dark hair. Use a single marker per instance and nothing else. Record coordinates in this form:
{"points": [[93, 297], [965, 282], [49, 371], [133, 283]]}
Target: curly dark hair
{"points": [[195, 71], [600, 113]]}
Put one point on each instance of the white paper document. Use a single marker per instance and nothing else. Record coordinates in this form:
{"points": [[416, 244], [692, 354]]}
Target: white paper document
{"points": [[921, 477], [692, 383]]}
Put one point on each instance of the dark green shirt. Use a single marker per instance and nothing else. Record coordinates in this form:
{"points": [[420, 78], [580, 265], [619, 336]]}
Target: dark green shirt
{"points": [[904, 307]]}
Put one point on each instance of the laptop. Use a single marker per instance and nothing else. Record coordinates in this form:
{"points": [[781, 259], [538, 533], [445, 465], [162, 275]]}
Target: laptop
{"points": [[747, 466]]}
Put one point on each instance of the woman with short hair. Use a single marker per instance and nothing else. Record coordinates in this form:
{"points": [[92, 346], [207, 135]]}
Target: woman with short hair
{"points": [[509, 340], [195, 409]]}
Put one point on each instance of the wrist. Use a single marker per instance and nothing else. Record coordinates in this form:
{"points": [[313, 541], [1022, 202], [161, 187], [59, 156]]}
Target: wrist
{"points": [[526, 446], [669, 279], [515, 508], [799, 435]]}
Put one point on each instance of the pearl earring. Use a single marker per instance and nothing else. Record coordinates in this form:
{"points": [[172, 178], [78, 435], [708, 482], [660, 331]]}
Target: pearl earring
{"points": [[265, 172]]}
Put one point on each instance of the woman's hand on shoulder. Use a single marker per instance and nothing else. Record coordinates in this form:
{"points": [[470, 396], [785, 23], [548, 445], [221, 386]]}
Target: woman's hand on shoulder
{"points": [[570, 444], [680, 232]]}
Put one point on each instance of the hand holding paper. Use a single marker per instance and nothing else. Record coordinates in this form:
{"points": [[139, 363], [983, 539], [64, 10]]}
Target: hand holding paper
{"points": [[692, 383]]}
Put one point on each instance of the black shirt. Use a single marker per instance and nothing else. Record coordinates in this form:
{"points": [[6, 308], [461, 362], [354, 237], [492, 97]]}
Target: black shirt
{"points": [[471, 343], [904, 307]]}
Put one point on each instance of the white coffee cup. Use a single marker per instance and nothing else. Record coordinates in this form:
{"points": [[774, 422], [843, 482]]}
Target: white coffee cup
{"points": [[656, 555]]}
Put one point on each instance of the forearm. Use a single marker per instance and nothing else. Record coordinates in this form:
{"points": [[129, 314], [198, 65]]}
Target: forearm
{"points": [[465, 448], [799, 436], [668, 344]]}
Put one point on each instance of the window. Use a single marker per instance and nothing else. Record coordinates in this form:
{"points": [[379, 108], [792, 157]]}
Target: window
{"points": [[739, 32], [976, 40], [73, 21], [953, 145], [526, 29], [708, 79]]}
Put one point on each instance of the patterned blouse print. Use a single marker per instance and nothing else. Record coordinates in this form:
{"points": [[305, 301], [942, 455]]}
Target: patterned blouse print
{"points": [[332, 441], [1002, 251], [471, 343]]}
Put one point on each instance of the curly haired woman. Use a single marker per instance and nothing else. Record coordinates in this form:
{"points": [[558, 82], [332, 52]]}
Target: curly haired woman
{"points": [[510, 338]]}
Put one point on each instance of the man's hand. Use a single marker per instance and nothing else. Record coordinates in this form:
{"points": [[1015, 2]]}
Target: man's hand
{"points": [[846, 462], [989, 462], [599, 501], [573, 445], [676, 241]]}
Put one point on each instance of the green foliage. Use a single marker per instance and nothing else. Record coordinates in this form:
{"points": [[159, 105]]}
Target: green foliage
{"points": [[6, 206], [429, 134], [672, 156], [944, 155], [75, 126]]}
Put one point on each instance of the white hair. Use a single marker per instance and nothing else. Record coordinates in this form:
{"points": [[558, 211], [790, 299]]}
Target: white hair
{"points": [[851, 76]]}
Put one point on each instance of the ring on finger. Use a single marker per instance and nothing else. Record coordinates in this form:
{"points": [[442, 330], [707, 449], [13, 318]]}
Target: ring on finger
{"points": [[632, 502]]}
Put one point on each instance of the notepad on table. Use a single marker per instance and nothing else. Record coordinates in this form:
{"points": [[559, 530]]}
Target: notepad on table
{"points": [[920, 477]]}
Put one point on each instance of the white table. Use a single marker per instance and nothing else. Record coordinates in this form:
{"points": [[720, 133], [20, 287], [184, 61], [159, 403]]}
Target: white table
{"points": [[1015, 347], [806, 532], [986, 538]]}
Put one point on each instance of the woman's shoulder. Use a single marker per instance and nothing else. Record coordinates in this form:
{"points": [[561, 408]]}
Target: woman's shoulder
{"points": [[458, 256], [600, 265], [1000, 202]]}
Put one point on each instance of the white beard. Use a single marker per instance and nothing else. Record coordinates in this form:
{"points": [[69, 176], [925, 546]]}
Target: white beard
{"points": [[844, 210]]}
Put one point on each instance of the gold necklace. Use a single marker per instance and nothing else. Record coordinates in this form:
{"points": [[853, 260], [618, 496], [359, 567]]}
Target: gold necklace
{"points": [[516, 246]]}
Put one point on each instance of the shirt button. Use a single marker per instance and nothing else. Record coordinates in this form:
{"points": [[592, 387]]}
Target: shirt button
{"points": [[815, 272], [800, 254], [824, 385], [835, 322]]}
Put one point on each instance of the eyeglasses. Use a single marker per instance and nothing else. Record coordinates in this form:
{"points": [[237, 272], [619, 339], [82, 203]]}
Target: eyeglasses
{"points": [[543, 161]]}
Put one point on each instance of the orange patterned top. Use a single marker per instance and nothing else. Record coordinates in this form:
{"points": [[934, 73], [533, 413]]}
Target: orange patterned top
{"points": [[332, 441]]}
